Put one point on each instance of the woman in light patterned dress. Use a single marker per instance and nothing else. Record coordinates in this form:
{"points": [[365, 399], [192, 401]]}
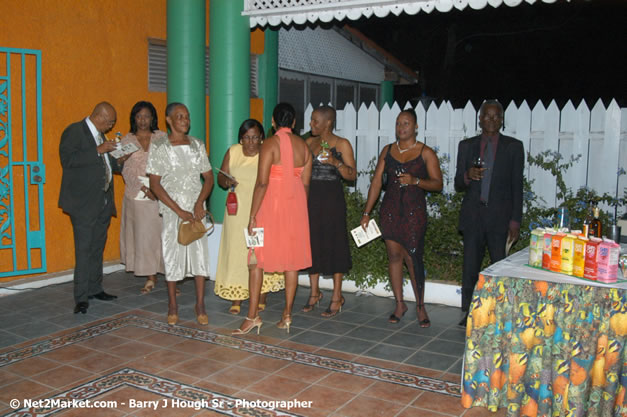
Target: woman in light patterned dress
{"points": [[175, 165], [140, 227]]}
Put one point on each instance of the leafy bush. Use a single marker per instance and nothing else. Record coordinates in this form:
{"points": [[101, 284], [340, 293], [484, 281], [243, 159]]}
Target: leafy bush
{"points": [[443, 255]]}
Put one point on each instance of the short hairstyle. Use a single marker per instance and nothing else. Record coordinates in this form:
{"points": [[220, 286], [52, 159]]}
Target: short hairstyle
{"points": [[328, 112], [491, 102], [249, 124], [154, 123], [284, 115], [410, 112], [170, 107]]}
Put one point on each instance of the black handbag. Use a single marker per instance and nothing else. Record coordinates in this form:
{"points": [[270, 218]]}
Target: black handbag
{"points": [[384, 176]]}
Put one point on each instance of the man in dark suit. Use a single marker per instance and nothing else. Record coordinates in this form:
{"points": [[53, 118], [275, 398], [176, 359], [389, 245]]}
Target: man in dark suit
{"points": [[490, 171], [87, 196]]}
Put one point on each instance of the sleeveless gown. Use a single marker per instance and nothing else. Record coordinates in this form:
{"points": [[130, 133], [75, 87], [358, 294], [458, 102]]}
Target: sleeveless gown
{"points": [[330, 252], [283, 215], [404, 212]]}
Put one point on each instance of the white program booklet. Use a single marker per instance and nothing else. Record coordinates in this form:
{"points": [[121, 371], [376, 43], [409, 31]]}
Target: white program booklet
{"points": [[146, 183], [362, 236], [121, 151], [256, 240]]}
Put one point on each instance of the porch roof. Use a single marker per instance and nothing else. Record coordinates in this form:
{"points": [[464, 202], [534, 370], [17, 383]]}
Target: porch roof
{"points": [[277, 12]]}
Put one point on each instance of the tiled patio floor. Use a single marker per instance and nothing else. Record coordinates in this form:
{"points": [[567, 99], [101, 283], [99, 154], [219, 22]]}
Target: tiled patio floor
{"points": [[355, 364]]}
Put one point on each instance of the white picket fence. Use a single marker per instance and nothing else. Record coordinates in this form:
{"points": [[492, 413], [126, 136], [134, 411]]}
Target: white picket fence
{"points": [[599, 135]]}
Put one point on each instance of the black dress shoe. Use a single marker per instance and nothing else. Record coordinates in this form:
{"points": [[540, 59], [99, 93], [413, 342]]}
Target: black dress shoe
{"points": [[81, 307], [103, 296], [463, 321]]}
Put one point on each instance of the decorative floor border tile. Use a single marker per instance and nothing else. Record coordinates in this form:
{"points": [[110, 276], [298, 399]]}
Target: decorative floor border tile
{"points": [[277, 352], [174, 395]]}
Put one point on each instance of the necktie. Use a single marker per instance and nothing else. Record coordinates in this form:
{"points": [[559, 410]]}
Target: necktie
{"points": [[488, 157], [107, 182]]}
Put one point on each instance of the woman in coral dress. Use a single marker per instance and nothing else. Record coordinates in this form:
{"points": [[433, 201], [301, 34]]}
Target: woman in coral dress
{"points": [[280, 207]]}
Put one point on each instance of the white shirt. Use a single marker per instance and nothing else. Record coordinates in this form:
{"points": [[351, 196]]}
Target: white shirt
{"points": [[96, 134]]}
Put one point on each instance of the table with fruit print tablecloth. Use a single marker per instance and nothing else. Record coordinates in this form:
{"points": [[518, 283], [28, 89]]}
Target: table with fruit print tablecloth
{"points": [[545, 344]]}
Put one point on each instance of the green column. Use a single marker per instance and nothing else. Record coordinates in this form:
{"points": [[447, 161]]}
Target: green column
{"points": [[387, 93], [229, 83], [268, 82], [186, 60]]}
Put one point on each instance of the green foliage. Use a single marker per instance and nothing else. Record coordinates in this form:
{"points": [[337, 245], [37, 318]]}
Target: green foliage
{"points": [[536, 214], [370, 264], [443, 244]]}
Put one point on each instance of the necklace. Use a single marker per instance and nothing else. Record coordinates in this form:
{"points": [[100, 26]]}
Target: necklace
{"points": [[402, 151]]}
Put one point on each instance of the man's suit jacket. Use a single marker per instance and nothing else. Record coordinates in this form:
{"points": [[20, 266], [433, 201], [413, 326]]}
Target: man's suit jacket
{"points": [[506, 185], [82, 186]]}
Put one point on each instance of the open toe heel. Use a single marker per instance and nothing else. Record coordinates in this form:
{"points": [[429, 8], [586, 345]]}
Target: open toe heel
{"points": [[424, 323], [285, 323], [329, 312], [256, 322], [308, 307]]}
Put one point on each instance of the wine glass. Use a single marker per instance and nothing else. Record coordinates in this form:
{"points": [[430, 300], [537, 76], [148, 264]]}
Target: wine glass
{"points": [[400, 170], [478, 162]]}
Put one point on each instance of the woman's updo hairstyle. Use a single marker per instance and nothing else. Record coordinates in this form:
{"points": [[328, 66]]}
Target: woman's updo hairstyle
{"points": [[284, 115], [412, 113]]}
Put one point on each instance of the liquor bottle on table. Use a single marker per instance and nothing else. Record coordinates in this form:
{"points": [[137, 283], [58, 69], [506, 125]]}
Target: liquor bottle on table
{"points": [[585, 229], [596, 226]]}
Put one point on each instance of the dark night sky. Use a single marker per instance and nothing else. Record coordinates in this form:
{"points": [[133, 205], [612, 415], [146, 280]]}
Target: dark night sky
{"points": [[567, 50]]}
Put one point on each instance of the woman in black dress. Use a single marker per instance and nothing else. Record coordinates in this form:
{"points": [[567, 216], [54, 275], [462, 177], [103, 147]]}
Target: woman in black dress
{"points": [[330, 254], [412, 168]]}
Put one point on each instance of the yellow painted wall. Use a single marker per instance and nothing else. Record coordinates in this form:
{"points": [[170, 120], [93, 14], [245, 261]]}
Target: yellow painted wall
{"points": [[91, 51]]}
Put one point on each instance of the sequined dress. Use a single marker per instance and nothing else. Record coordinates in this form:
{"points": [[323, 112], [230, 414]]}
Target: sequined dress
{"points": [[330, 252], [404, 211], [180, 168]]}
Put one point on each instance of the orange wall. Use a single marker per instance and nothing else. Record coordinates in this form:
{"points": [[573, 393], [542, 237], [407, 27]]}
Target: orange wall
{"points": [[256, 47], [91, 51]]}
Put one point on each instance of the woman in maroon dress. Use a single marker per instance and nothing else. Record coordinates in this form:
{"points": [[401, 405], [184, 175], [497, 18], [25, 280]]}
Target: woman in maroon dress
{"points": [[412, 168]]}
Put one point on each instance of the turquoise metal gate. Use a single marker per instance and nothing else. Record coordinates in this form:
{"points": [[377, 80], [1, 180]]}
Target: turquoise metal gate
{"points": [[22, 172]]}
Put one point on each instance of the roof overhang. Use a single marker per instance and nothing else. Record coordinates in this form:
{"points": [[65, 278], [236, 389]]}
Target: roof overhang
{"points": [[277, 12]]}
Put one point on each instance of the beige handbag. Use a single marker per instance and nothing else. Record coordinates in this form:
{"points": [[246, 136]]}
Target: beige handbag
{"points": [[194, 230]]}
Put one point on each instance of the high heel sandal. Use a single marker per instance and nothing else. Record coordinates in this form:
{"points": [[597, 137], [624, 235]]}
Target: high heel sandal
{"points": [[308, 307], [332, 313], [256, 323], [426, 322], [394, 318], [261, 306], [285, 323], [235, 309]]}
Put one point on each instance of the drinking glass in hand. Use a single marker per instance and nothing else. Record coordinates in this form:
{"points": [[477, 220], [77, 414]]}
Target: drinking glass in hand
{"points": [[478, 162], [399, 171]]}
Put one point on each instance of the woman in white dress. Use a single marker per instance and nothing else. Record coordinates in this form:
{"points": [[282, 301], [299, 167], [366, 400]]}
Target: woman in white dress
{"points": [[175, 165]]}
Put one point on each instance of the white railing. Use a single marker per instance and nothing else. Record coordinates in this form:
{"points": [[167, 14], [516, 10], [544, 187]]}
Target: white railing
{"points": [[599, 135]]}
